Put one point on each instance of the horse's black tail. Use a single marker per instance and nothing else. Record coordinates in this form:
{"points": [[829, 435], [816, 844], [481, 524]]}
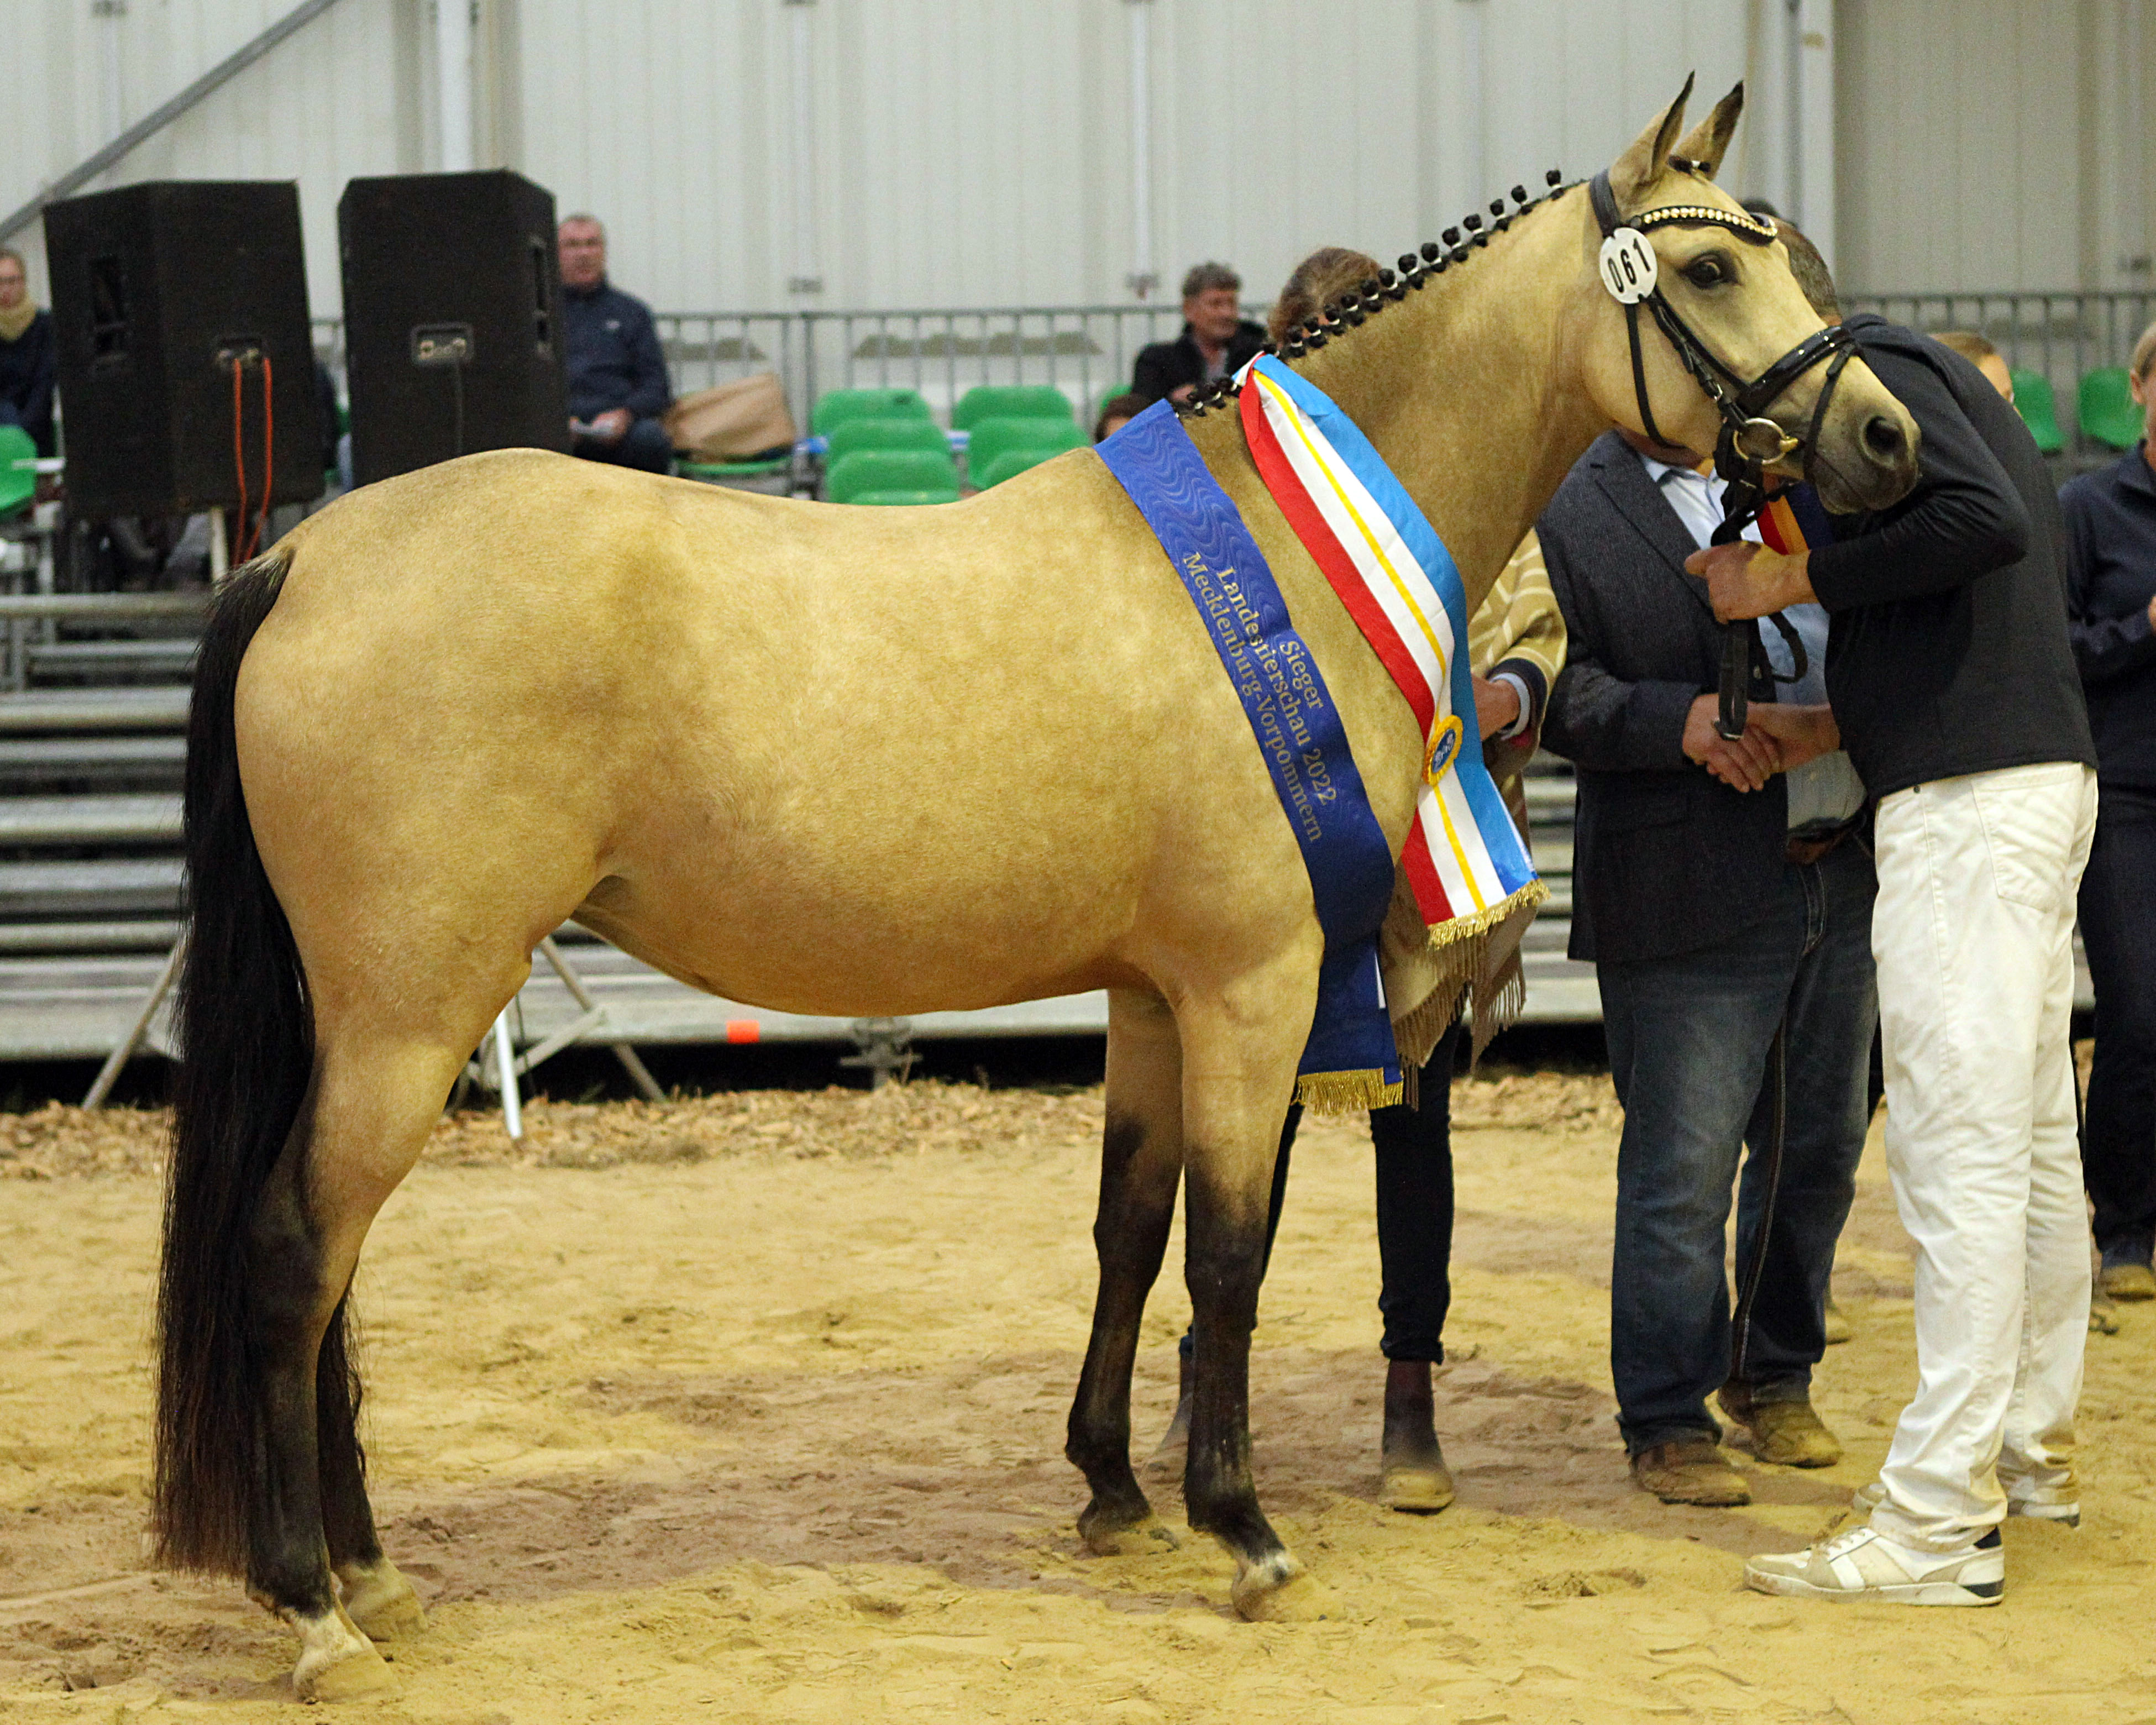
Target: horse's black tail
{"points": [[245, 1032]]}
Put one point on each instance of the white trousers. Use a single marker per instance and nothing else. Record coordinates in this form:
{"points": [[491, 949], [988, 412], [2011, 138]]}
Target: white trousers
{"points": [[1972, 933]]}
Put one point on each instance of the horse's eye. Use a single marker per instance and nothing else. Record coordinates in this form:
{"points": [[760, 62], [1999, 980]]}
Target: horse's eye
{"points": [[1706, 272]]}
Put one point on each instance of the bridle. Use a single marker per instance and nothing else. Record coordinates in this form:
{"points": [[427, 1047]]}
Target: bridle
{"points": [[1748, 439]]}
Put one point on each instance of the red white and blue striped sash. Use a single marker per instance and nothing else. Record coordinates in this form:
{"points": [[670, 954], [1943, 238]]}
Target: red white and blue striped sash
{"points": [[1464, 857]]}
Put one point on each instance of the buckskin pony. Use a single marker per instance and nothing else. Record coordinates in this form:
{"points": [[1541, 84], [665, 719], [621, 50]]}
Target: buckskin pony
{"points": [[838, 760]]}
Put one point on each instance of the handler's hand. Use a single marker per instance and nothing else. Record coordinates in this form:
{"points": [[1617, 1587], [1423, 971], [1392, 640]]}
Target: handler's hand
{"points": [[612, 425], [1803, 732], [1496, 704], [1748, 580], [1745, 764]]}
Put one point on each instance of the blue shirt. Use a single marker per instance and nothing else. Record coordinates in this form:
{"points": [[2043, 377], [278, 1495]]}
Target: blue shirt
{"points": [[611, 348]]}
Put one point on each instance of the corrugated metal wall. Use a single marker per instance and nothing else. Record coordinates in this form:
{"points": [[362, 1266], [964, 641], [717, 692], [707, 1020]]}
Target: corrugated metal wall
{"points": [[979, 151], [1994, 144]]}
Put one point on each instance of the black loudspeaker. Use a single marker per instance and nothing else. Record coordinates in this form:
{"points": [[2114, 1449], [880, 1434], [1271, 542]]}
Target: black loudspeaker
{"points": [[165, 296], [453, 319]]}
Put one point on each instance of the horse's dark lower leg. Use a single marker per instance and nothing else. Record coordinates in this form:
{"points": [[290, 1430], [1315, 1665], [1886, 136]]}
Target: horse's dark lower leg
{"points": [[1140, 1161], [1240, 1050], [1227, 1255], [288, 1561], [379, 1601], [347, 1516], [1131, 1235], [314, 1556]]}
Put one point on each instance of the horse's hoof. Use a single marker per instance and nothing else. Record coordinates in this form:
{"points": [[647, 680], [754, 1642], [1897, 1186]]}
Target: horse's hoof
{"points": [[1415, 1490], [337, 1663], [382, 1603], [1278, 1591], [1148, 1537]]}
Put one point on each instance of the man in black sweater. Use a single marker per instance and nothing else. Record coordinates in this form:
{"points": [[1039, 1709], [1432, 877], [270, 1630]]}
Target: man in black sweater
{"points": [[618, 387], [1217, 340], [1951, 677]]}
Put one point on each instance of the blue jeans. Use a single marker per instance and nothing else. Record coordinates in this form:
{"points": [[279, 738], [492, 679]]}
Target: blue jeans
{"points": [[1690, 1038], [645, 444]]}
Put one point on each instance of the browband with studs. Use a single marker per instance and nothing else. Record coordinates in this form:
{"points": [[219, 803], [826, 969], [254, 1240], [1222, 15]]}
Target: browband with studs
{"points": [[1746, 226]]}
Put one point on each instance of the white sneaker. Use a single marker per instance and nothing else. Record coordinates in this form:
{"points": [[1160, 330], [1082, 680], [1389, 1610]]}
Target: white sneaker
{"points": [[2023, 1498], [1865, 1564]]}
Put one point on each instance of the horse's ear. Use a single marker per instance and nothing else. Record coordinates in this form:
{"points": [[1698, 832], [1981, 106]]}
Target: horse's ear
{"points": [[1634, 174], [1706, 143]]}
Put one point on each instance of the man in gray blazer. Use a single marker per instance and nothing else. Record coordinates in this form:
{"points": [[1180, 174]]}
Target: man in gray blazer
{"points": [[1723, 891]]}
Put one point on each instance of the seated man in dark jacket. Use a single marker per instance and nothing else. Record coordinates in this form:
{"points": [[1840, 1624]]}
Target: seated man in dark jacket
{"points": [[618, 387], [1720, 893], [1217, 340]]}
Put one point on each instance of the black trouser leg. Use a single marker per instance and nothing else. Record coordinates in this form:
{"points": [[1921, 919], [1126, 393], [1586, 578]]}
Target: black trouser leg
{"points": [[2118, 931], [1414, 1210]]}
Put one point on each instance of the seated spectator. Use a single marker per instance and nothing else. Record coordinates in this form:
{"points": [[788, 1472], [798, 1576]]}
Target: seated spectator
{"points": [[1216, 340], [617, 387], [1117, 411], [28, 359], [1979, 352]]}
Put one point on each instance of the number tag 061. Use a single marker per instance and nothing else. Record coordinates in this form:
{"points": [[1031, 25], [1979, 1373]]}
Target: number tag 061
{"points": [[1628, 265]]}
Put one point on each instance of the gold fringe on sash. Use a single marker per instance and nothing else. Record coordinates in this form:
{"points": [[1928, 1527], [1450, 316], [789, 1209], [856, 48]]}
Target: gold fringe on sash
{"points": [[1457, 929], [1478, 957], [1345, 1092]]}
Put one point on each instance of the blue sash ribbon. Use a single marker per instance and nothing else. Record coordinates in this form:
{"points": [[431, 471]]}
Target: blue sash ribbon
{"points": [[1350, 1060]]}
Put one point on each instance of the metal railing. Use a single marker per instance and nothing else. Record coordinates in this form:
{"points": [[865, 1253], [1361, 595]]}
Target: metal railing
{"points": [[1087, 351], [2064, 337], [1084, 350]]}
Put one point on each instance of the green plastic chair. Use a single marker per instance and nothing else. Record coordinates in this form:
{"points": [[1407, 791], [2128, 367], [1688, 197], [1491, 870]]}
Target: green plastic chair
{"points": [[991, 439], [1018, 401], [900, 499], [836, 406], [19, 486], [2039, 411], [722, 473], [1009, 463], [866, 470], [2107, 408], [851, 434]]}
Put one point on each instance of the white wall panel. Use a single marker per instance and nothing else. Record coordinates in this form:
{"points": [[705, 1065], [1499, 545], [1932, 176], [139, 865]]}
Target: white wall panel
{"points": [[1984, 144], [978, 152], [323, 106]]}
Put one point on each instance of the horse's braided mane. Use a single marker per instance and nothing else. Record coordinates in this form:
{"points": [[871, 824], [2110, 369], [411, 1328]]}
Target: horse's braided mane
{"points": [[1416, 269]]}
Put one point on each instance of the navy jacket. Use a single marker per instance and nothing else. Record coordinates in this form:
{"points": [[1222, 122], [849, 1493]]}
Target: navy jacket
{"points": [[2110, 575], [28, 366], [1667, 859], [613, 353], [1166, 366], [1949, 653]]}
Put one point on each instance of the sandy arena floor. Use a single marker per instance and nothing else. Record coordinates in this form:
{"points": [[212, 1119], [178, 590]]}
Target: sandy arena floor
{"points": [[752, 1408]]}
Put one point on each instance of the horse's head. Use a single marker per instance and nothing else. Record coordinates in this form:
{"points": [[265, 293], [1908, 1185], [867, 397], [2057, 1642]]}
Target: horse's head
{"points": [[1724, 281]]}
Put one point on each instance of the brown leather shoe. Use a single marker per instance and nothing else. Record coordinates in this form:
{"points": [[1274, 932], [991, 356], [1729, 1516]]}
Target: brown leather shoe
{"points": [[1416, 1481], [2127, 1282], [1690, 1470], [1787, 1434]]}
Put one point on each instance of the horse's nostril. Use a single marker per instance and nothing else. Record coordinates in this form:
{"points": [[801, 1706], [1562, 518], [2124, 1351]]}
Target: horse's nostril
{"points": [[1883, 438]]}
